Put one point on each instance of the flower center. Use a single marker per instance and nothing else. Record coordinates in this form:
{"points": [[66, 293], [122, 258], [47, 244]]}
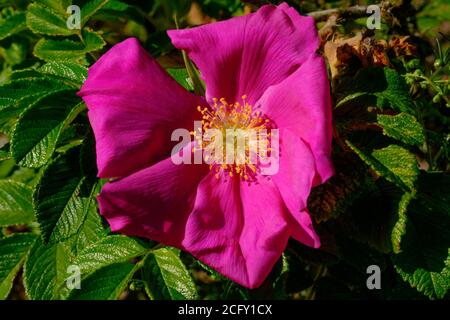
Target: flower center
{"points": [[234, 138]]}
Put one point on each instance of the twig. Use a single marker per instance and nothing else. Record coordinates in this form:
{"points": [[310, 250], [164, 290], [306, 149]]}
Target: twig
{"points": [[351, 12]]}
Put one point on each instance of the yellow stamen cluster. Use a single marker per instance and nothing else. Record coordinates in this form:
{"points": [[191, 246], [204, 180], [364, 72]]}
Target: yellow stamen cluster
{"points": [[242, 118]]}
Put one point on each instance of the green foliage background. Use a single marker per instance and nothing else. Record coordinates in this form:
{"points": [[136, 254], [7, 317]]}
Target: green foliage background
{"points": [[388, 204]]}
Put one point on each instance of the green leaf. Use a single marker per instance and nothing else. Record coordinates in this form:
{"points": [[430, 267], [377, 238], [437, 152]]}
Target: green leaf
{"points": [[36, 134], [399, 228], [45, 270], [115, 9], [166, 277], [12, 25], [403, 127], [182, 77], [105, 284], [91, 231], [66, 70], [15, 203], [25, 74], [349, 98], [4, 155], [14, 52], [396, 164], [13, 250], [60, 208], [372, 215], [59, 6], [18, 94], [424, 260], [45, 20], [194, 75], [356, 257], [68, 50], [107, 251], [91, 8], [385, 85], [116, 5], [396, 95], [70, 73], [400, 162]]}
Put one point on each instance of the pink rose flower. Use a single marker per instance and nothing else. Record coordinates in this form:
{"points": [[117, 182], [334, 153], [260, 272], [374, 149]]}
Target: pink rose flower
{"points": [[237, 226]]}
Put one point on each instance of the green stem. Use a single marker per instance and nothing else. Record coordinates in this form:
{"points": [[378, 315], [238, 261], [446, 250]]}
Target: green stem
{"points": [[194, 75]]}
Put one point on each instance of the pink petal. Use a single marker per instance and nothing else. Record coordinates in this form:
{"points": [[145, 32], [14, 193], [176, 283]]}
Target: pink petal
{"points": [[134, 106], [302, 229], [302, 104], [265, 232], [153, 203], [237, 229], [294, 181], [248, 54]]}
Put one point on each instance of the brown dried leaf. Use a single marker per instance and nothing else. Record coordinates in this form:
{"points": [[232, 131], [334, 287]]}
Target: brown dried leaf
{"points": [[339, 52], [360, 50], [400, 46]]}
